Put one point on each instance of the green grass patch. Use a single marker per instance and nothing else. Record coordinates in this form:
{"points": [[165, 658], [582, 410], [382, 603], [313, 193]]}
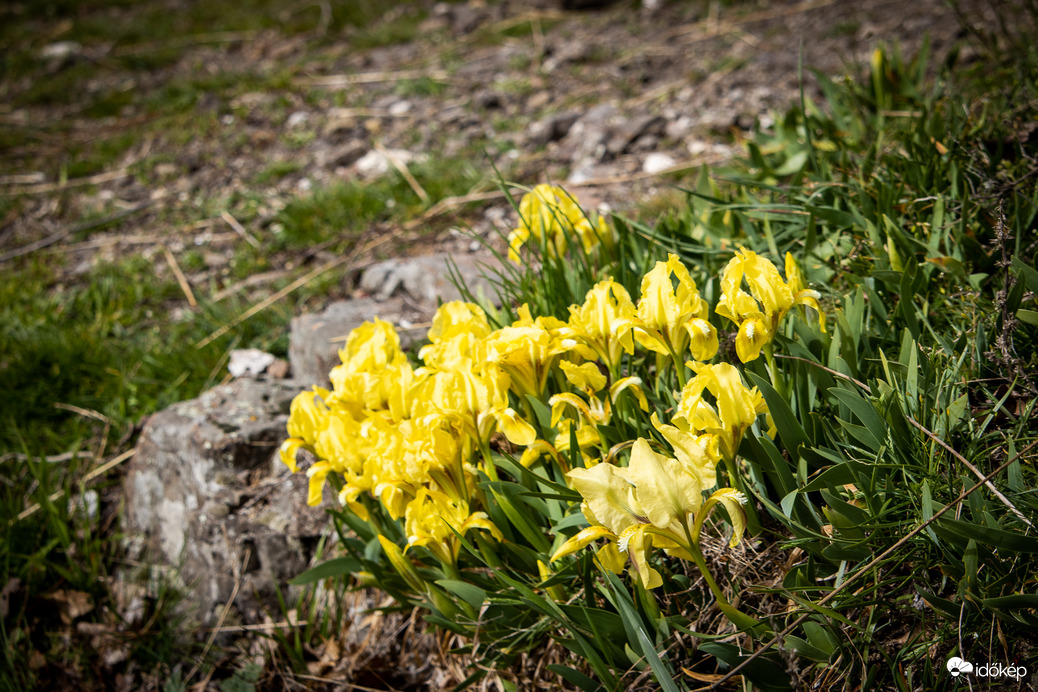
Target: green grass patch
{"points": [[347, 209]]}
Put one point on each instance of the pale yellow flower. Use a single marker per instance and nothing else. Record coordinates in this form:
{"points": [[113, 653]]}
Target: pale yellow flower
{"points": [[655, 501]]}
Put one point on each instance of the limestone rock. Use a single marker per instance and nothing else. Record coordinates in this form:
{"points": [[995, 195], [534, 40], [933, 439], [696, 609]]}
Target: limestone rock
{"points": [[425, 280], [315, 339], [403, 291], [206, 494]]}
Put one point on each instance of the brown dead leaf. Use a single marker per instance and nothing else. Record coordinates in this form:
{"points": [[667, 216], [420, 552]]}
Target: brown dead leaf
{"points": [[72, 604], [712, 677]]}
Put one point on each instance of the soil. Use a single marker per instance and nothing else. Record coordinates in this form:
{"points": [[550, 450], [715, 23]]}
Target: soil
{"points": [[602, 99]]}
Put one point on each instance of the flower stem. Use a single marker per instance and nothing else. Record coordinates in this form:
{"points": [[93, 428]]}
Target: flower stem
{"points": [[777, 381]]}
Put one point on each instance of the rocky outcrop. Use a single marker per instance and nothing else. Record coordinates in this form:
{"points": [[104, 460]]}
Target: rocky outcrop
{"points": [[206, 494]]}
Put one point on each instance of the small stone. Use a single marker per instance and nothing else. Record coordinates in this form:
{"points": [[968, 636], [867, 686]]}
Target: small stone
{"points": [[657, 162], [377, 163], [297, 119], [400, 108], [249, 362], [60, 51], [279, 369]]}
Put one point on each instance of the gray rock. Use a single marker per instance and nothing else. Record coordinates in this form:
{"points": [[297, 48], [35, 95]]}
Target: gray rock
{"points": [[589, 135], [206, 493], [551, 129], [315, 339], [425, 280], [343, 155], [403, 291], [627, 132]]}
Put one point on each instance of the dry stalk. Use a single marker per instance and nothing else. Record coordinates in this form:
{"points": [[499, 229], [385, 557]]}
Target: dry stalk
{"points": [[104, 468], [45, 188], [181, 279]]}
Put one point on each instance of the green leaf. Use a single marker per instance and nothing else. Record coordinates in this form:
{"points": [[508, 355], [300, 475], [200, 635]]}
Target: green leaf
{"points": [[574, 677], [766, 674], [518, 519], [333, 568], [540, 410], [636, 632], [576, 519], [863, 411], [805, 649], [943, 605], [1013, 601], [1028, 316], [793, 435], [841, 474], [473, 595], [963, 531], [765, 454], [1027, 273], [927, 502]]}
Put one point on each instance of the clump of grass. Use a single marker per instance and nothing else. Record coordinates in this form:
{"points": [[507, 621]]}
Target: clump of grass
{"points": [[344, 210]]}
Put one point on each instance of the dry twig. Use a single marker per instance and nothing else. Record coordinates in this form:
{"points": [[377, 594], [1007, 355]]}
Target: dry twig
{"points": [[239, 229], [341, 80], [45, 188], [181, 279]]}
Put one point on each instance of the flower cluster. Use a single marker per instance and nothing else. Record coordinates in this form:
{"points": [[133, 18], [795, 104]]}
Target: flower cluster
{"points": [[657, 500], [416, 441]]}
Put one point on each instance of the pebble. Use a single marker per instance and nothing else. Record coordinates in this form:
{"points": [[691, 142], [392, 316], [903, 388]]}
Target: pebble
{"points": [[657, 162]]}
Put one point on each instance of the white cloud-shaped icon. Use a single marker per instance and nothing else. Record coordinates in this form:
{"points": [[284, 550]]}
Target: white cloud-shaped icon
{"points": [[956, 666]]}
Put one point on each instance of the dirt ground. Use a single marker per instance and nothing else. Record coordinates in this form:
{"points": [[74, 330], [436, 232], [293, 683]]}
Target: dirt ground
{"points": [[603, 100]]}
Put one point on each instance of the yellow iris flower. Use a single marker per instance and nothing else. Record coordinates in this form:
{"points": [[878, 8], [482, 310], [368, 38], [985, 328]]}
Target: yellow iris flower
{"points": [[655, 500], [550, 214], [735, 406], [671, 318], [597, 323], [432, 519], [759, 312]]}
